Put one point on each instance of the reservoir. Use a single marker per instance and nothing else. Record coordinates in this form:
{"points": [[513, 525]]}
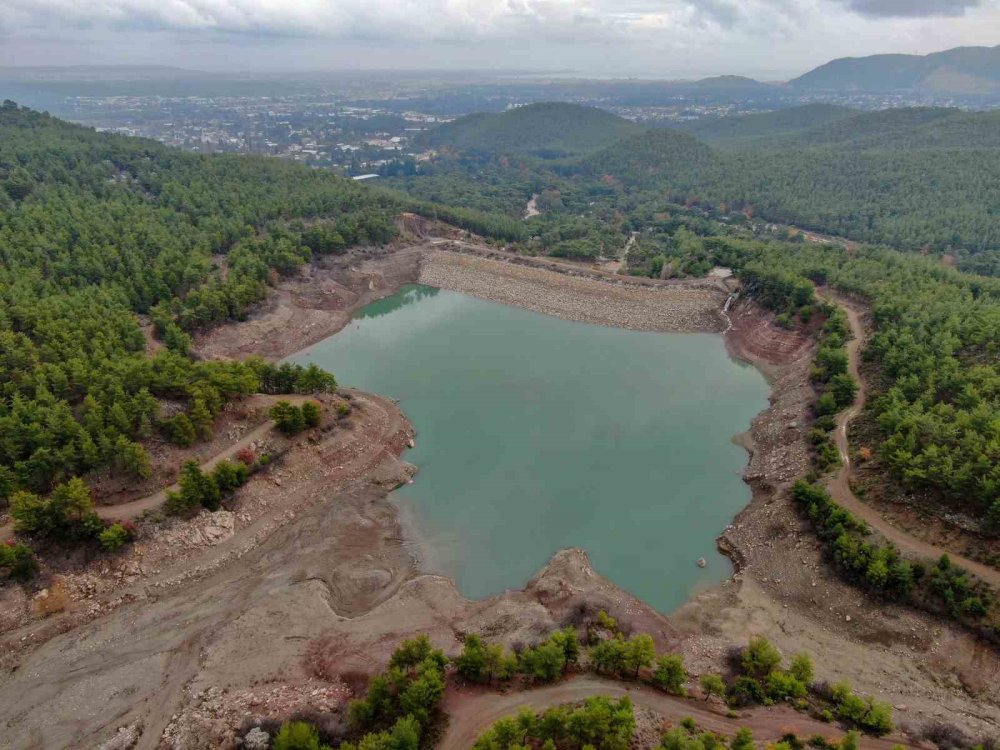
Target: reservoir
{"points": [[536, 433]]}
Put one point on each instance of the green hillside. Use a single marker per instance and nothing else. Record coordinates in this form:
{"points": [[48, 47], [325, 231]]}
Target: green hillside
{"points": [[548, 130], [652, 158], [889, 126], [822, 125], [761, 124]]}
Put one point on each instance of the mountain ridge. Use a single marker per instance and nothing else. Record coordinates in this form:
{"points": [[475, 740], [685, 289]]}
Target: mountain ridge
{"points": [[960, 70]]}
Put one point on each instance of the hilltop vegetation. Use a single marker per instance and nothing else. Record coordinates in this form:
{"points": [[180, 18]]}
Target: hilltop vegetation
{"points": [[913, 179], [548, 130], [902, 129], [791, 120], [97, 230]]}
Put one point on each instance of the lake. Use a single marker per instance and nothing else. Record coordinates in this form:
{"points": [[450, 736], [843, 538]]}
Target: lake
{"points": [[536, 433]]}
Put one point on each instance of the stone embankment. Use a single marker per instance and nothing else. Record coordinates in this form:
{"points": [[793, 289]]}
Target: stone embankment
{"points": [[587, 297]]}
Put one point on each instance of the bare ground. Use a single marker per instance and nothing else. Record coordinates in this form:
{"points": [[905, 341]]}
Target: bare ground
{"points": [[319, 578]]}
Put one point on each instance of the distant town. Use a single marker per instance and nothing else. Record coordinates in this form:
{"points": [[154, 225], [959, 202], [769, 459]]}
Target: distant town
{"points": [[355, 140]]}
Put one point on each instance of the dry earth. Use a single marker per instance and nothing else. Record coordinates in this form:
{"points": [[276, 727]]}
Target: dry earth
{"points": [[319, 579]]}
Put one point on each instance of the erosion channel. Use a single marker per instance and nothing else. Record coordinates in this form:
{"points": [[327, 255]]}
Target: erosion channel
{"points": [[536, 433]]}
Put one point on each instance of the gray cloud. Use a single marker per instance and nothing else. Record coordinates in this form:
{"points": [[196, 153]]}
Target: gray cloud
{"points": [[911, 8], [433, 19]]}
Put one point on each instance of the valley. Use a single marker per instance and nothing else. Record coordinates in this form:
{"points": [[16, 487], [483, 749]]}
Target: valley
{"points": [[266, 428]]}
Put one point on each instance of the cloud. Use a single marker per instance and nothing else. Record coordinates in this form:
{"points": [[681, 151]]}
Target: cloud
{"points": [[911, 8], [371, 19]]}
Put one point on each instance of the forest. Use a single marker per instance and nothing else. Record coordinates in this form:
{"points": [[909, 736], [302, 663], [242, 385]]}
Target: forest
{"points": [[918, 179], [936, 345], [99, 233]]}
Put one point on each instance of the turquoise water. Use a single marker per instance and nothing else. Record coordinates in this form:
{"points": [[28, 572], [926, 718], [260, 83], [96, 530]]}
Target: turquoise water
{"points": [[535, 434]]}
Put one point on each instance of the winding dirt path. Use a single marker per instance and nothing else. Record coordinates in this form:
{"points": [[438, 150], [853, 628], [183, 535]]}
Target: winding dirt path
{"points": [[839, 485], [218, 616], [135, 508], [473, 712]]}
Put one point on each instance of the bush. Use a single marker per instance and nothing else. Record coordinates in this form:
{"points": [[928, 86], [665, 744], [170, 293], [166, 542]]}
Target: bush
{"points": [[312, 413], [599, 723], [297, 735], [288, 418], [745, 691], [18, 560], [712, 684], [759, 658], [412, 686], [229, 476], [197, 489], [480, 662], [246, 456], [68, 513], [670, 675], [782, 685], [114, 537], [180, 430], [543, 663], [867, 713], [802, 668]]}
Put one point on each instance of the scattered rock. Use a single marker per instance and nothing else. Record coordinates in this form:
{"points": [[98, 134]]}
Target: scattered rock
{"points": [[124, 739], [256, 739]]}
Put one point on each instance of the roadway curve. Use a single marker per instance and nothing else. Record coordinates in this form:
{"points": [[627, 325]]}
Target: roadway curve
{"points": [[471, 713], [839, 485], [134, 508]]}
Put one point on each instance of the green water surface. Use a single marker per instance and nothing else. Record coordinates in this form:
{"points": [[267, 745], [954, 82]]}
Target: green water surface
{"points": [[535, 434]]}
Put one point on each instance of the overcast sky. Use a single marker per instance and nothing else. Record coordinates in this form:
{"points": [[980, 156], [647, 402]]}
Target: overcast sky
{"points": [[768, 39]]}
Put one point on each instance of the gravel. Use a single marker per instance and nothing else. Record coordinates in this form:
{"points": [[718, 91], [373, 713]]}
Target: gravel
{"points": [[693, 307]]}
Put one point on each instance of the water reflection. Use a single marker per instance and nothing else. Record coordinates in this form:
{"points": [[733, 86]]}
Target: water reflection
{"points": [[409, 294]]}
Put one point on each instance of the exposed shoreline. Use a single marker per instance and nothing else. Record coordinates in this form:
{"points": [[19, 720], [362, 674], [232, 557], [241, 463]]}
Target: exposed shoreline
{"points": [[343, 562], [796, 599]]}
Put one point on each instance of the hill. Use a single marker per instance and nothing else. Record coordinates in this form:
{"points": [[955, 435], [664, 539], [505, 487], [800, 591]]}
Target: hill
{"points": [[548, 130], [961, 71], [794, 119], [651, 157]]}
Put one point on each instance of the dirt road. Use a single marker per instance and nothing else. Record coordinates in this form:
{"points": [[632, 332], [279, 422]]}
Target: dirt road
{"points": [[839, 485], [224, 615], [472, 713], [135, 508]]}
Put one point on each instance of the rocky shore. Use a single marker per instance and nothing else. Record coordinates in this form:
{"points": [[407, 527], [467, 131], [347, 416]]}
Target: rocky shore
{"points": [[687, 307], [325, 584]]}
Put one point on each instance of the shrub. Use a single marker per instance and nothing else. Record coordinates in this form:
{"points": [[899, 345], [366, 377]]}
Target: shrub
{"points": [[802, 668], [743, 740], [782, 685], [180, 430], [599, 723], [114, 537], [288, 418], [759, 658], [867, 713], [228, 476], [670, 674], [18, 560], [51, 600], [312, 413], [712, 684], [544, 663], [246, 456], [480, 662], [196, 489], [68, 513], [297, 735], [413, 685], [745, 691]]}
